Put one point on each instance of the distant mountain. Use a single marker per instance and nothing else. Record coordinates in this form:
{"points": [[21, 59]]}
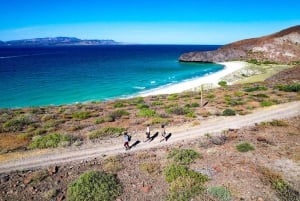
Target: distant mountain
{"points": [[56, 41], [280, 47]]}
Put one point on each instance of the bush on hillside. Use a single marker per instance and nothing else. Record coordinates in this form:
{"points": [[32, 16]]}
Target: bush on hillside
{"points": [[183, 156], [228, 112], [94, 186], [49, 141], [107, 131], [81, 115], [222, 193], [222, 83], [290, 87], [245, 147], [255, 88], [184, 183]]}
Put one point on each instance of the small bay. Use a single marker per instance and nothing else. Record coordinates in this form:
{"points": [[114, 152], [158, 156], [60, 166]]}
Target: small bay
{"points": [[41, 76]]}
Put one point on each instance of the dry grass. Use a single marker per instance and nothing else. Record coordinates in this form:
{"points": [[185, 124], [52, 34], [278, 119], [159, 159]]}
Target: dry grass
{"points": [[12, 142], [113, 164]]}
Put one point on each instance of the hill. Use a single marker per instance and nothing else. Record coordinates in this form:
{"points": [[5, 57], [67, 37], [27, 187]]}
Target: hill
{"points": [[56, 41], [281, 47]]}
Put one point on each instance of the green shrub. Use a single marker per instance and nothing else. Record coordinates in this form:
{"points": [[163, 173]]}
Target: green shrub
{"points": [[107, 131], [266, 103], [211, 96], [119, 104], [222, 193], [186, 94], [94, 186], [228, 112], [137, 100], [52, 123], [157, 103], [183, 156], [266, 62], [81, 115], [99, 121], [142, 106], [49, 141], [239, 93], [255, 88], [178, 110], [261, 95], [253, 61], [146, 112], [191, 115], [159, 120], [245, 147], [184, 183], [222, 83], [290, 87], [172, 97], [227, 97], [17, 123], [184, 188], [173, 171], [276, 122]]}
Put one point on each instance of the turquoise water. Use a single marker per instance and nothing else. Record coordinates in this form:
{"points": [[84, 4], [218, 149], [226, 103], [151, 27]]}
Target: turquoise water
{"points": [[66, 75]]}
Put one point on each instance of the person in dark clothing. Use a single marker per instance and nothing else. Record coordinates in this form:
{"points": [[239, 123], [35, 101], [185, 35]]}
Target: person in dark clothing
{"points": [[126, 140], [163, 132]]}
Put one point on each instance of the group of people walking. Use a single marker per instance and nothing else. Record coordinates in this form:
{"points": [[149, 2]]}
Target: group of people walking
{"points": [[127, 137]]}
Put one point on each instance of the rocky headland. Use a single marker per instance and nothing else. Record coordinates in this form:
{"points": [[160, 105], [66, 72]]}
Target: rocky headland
{"points": [[282, 47]]}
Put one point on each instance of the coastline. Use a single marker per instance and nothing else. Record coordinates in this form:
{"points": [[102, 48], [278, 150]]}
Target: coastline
{"points": [[193, 84]]}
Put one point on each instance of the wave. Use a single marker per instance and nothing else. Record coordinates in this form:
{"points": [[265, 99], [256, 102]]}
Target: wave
{"points": [[141, 88]]}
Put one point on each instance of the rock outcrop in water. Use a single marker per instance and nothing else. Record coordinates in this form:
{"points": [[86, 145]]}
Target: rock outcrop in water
{"points": [[280, 47]]}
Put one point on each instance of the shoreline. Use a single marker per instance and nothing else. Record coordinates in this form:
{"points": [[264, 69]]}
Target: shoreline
{"points": [[210, 79]]}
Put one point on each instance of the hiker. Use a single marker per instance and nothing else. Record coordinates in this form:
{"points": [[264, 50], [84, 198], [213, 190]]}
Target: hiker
{"points": [[163, 132], [148, 132], [126, 140]]}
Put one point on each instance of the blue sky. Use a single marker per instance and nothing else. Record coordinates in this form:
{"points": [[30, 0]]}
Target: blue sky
{"points": [[147, 22]]}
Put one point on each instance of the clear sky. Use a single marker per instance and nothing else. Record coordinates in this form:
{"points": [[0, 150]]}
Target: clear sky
{"points": [[149, 21]]}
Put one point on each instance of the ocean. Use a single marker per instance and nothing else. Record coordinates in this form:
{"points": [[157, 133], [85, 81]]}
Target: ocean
{"points": [[42, 76]]}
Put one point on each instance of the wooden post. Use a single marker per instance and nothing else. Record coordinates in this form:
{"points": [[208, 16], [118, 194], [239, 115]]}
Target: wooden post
{"points": [[201, 89]]}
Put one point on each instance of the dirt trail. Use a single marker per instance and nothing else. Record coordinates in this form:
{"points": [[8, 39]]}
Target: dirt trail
{"points": [[211, 126]]}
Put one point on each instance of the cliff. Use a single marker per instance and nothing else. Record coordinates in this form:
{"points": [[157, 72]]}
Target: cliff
{"points": [[56, 41], [280, 47]]}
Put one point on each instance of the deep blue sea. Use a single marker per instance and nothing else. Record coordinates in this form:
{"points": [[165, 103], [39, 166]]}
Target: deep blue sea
{"points": [[65, 75]]}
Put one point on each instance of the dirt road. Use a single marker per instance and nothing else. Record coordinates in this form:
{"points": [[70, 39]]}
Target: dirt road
{"points": [[114, 146]]}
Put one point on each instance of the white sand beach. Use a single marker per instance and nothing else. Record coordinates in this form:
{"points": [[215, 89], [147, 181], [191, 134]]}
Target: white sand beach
{"points": [[211, 80]]}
